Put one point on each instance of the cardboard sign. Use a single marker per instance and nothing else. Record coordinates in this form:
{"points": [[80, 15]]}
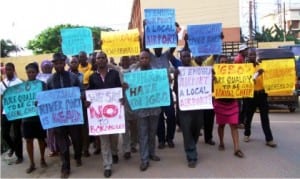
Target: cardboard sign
{"points": [[160, 29], [19, 100], [205, 39], [149, 88], [75, 40], [121, 43], [233, 80], [60, 107], [194, 88], [106, 113], [279, 75]]}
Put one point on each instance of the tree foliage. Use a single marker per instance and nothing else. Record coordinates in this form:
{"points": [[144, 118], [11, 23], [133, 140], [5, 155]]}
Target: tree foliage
{"points": [[48, 41], [7, 46], [274, 34]]}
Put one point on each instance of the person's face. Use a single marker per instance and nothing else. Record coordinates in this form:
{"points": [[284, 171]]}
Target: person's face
{"points": [[59, 66], [186, 58], [82, 58], [223, 60], [252, 56], [31, 74], [199, 60], [101, 60], [47, 69], [244, 52], [144, 59], [74, 64], [10, 72], [125, 61]]}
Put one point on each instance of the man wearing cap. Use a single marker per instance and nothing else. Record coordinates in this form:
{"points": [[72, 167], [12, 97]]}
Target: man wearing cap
{"points": [[240, 58], [64, 79]]}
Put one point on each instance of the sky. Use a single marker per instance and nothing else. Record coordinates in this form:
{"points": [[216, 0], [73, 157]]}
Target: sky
{"points": [[23, 20]]}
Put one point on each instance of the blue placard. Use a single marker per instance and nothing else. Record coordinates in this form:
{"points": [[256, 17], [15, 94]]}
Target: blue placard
{"points": [[75, 40], [19, 100], [160, 29], [60, 107], [205, 39], [149, 88]]}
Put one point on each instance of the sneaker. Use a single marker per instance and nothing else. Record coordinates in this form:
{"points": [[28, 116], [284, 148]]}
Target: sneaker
{"points": [[133, 150], [97, 152], [144, 166], [86, 153], [210, 142], [10, 153], [78, 162], [192, 164], [154, 157], [271, 144], [246, 138], [171, 144], [64, 174], [127, 155], [107, 173], [161, 145], [19, 160]]}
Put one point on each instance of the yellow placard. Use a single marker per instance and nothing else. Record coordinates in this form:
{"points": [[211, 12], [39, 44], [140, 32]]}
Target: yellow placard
{"points": [[121, 43], [233, 80], [279, 75]]}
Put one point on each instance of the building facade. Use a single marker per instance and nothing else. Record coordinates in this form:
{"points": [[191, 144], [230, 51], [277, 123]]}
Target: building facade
{"points": [[192, 12], [292, 18]]}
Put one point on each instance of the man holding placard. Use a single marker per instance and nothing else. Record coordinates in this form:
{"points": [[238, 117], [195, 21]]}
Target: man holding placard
{"points": [[159, 32], [65, 79], [15, 144], [105, 78], [259, 100]]}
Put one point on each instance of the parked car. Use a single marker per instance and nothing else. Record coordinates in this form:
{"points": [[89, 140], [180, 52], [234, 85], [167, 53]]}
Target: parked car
{"points": [[296, 50], [288, 99]]}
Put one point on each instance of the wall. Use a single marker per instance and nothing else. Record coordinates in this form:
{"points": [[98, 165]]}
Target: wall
{"points": [[22, 61]]}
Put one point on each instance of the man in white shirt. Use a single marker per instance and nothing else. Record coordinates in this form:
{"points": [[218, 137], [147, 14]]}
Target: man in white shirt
{"points": [[14, 144]]}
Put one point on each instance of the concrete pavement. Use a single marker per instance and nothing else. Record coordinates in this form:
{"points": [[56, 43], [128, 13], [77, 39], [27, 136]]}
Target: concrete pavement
{"points": [[260, 161]]}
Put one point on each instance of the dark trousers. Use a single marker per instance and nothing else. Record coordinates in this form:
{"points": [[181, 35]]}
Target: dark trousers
{"points": [[169, 111], [14, 143], [62, 137], [85, 132], [209, 116], [259, 100], [242, 114], [190, 124]]}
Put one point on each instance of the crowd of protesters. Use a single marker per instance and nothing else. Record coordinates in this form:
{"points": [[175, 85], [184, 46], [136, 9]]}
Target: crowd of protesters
{"points": [[94, 71]]}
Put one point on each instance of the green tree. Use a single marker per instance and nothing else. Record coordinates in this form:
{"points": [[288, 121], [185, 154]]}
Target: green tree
{"points": [[48, 41], [274, 34], [7, 46]]}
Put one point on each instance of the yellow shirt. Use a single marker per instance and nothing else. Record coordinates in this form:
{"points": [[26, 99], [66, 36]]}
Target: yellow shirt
{"points": [[259, 82], [209, 61], [86, 71]]}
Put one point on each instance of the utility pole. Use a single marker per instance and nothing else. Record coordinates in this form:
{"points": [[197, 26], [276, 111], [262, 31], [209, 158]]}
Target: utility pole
{"points": [[255, 15], [284, 23], [250, 21]]}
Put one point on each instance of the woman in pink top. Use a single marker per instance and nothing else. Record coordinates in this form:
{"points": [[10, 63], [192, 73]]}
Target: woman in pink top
{"points": [[227, 112]]}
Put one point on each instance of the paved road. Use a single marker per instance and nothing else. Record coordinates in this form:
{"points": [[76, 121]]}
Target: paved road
{"points": [[260, 161]]}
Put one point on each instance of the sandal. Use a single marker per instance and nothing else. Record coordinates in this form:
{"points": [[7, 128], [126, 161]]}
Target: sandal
{"points": [[221, 147], [30, 169], [239, 153]]}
